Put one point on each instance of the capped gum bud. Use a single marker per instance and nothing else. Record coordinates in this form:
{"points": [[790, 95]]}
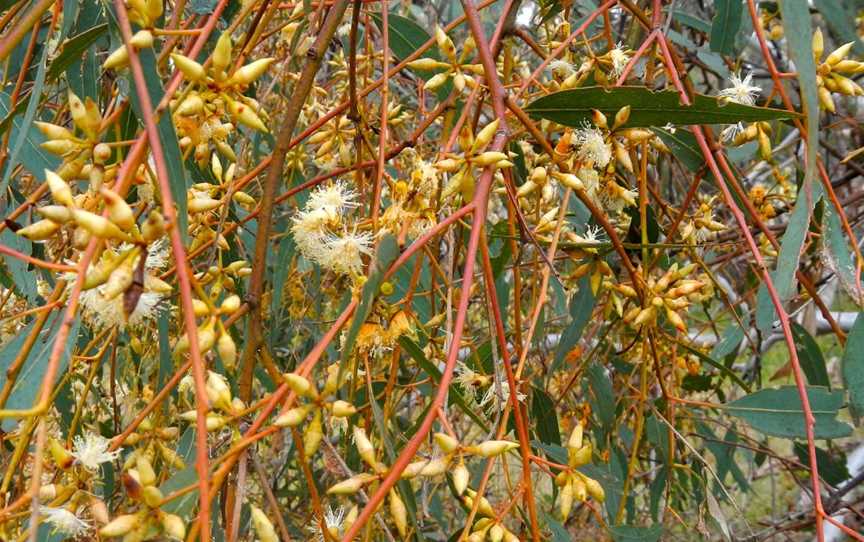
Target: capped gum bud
{"points": [[191, 69], [565, 502], [484, 136], [243, 198], [461, 477], [227, 350], [426, 64], [39, 231], [839, 53], [434, 467], [364, 447], [492, 448], [447, 443], [263, 527], [300, 385], [488, 158], [142, 39], [52, 131], [203, 204], [582, 456], [246, 116], [118, 210], [293, 417], [231, 304], [218, 391], [399, 513], [343, 409], [622, 116], [98, 225], [575, 440], [351, 485], [173, 526], [190, 106], [436, 81], [61, 192], [250, 72], [222, 55], [312, 436], [152, 496], [120, 525], [56, 213]]}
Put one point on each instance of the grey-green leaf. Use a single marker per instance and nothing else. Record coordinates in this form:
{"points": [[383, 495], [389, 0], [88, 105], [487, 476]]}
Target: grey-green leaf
{"points": [[853, 366], [725, 25], [778, 412], [647, 108]]}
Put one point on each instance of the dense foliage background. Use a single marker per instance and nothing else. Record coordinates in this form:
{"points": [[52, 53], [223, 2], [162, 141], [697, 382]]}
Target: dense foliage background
{"points": [[445, 270]]}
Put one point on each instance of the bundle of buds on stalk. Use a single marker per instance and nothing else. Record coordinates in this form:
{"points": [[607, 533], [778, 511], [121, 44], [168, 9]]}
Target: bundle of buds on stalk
{"points": [[221, 278], [219, 397], [155, 440], [583, 247], [473, 156], [670, 294], [829, 72], [452, 460], [456, 68], [144, 13], [83, 157], [488, 528], [756, 131], [335, 142], [213, 94], [149, 522], [576, 486], [212, 332], [315, 403], [701, 225]]}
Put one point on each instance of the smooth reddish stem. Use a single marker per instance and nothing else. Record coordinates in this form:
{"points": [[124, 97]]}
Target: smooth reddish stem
{"points": [[809, 420], [202, 458]]}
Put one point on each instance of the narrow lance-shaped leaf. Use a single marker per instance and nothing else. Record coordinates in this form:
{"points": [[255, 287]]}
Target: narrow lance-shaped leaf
{"points": [[647, 108]]}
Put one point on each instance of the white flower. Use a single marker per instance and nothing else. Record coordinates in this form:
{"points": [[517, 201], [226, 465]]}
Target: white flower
{"points": [[499, 400], [333, 520], [334, 197], [63, 521], [742, 91], [562, 68], [91, 451], [729, 133], [593, 146], [592, 236], [465, 377], [343, 254], [619, 58]]}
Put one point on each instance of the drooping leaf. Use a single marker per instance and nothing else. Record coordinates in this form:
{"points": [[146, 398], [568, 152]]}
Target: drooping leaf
{"points": [[167, 135], [728, 343], [28, 384], [725, 25], [832, 467], [73, 49], [798, 31], [581, 308], [810, 357], [601, 395], [835, 250], [787, 262], [778, 412], [647, 108], [853, 366], [543, 411]]}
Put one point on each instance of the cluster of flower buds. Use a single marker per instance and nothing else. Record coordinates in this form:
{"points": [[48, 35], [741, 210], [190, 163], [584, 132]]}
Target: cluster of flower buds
{"points": [[219, 398], [759, 132], [701, 226], [214, 93], [576, 486], [670, 293], [212, 332], [474, 155], [452, 460], [157, 440], [315, 403], [335, 142], [224, 277], [140, 482], [829, 74], [488, 528], [83, 157], [456, 67], [144, 13]]}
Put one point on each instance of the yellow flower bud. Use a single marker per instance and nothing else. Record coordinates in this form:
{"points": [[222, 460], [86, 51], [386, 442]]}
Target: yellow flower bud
{"points": [[399, 513], [61, 192], [343, 409], [312, 436], [39, 231], [250, 72], [173, 526], [222, 55], [227, 350], [120, 525], [447, 443], [55, 213], [119, 211], [263, 527], [98, 225], [191, 69], [293, 417], [492, 448], [351, 485], [300, 385]]}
